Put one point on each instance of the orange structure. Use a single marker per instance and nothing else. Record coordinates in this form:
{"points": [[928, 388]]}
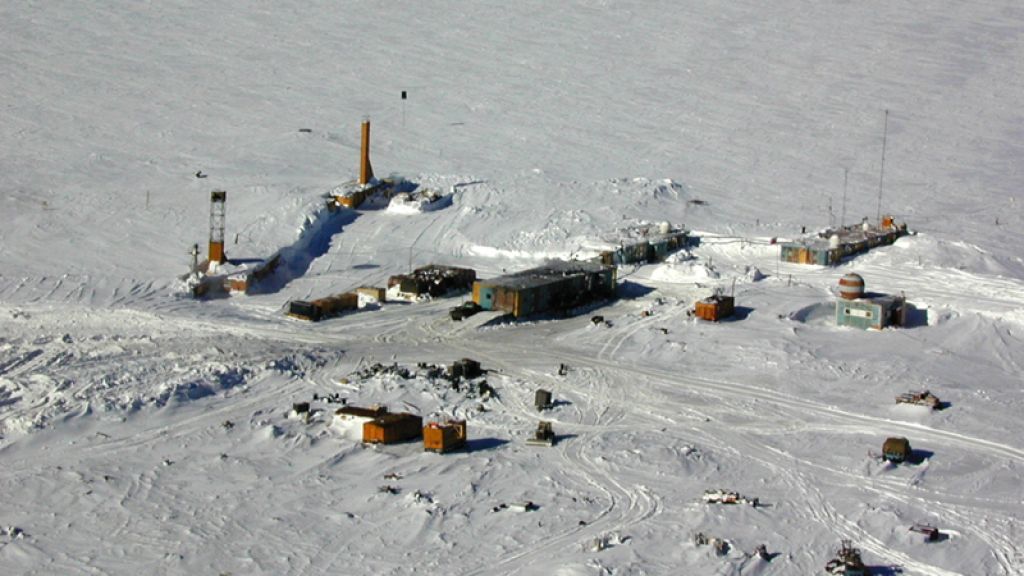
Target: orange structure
{"points": [[365, 170], [393, 428], [441, 438], [714, 308], [217, 200], [323, 307]]}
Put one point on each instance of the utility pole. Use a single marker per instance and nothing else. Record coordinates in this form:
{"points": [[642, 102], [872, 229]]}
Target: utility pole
{"points": [[404, 95]]}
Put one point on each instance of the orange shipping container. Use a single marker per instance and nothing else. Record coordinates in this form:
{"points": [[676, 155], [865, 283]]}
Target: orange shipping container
{"points": [[444, 437], [715, 308]]}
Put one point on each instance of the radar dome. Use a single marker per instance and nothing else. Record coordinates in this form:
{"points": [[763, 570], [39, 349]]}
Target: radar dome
{"points": [[851, 286]]}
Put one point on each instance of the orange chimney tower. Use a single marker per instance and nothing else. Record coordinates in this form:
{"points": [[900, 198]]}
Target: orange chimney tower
{"points": [[217, 200], [365, 170]]}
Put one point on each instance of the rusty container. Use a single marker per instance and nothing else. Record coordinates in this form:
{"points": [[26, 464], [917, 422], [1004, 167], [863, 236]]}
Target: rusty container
{"points": [[715, 308], [444, 437]]}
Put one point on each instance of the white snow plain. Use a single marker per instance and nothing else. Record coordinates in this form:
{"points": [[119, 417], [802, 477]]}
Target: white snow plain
{"points": [[143, 432]]}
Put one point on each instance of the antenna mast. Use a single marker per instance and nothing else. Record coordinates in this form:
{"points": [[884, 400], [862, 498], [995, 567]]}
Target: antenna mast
{"points": [[831, 215], [881, 177], [846, 178]]}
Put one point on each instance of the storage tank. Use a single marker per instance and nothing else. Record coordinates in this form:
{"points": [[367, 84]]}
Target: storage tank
{"points": [[664, 228], [851, 286], [833, 241]]}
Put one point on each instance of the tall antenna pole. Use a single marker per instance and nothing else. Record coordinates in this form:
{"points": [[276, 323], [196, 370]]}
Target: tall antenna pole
{"points": [[846, 179], [881, 177]]}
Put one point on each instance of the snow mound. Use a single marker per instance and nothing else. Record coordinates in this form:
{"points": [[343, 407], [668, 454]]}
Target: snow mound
{"points": [[427, 200], [926, 252], [820, 313], [678, 271]]}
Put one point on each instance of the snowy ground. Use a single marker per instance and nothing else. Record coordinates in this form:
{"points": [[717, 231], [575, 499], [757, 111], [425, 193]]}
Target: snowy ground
{"points": [[145, 432]]}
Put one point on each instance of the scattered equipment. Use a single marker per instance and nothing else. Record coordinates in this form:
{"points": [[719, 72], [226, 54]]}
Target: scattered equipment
{"points": [[464, 310], [466, 369], [544, 436], [720, 496], [433, 280], [896, 450], [445, 437], [719, 545], [527, 506], [930, 532], [924, 398], [847, 562], [542, 399], [324, 307]]}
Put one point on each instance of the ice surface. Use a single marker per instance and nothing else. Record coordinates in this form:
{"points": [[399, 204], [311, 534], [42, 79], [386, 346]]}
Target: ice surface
{"points": [[145, 432]]}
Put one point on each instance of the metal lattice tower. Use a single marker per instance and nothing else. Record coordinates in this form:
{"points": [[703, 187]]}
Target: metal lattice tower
{"points": [[217, 202]]}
